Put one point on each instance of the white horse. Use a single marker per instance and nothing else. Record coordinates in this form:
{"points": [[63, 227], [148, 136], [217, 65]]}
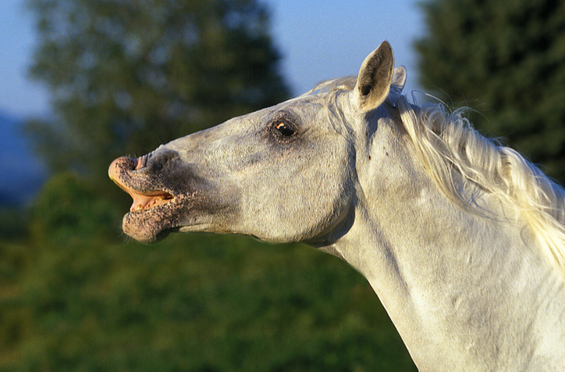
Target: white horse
{"points": [[461, 239]]}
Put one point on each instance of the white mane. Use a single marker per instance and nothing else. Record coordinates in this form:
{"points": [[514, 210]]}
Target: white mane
{"points": [[447, 141]]}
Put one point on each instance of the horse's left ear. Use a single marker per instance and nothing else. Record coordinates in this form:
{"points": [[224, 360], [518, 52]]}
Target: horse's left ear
{"points": [[375, 78]]}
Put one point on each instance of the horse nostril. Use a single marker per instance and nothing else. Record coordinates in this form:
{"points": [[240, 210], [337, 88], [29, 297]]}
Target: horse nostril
{"points": [[159, 158], [141, 162]]}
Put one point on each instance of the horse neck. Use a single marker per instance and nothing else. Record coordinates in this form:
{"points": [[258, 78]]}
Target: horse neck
{"points": [[463, 290]]}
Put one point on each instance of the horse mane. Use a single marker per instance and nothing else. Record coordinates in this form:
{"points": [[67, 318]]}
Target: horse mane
{"points": [[446, 141]]}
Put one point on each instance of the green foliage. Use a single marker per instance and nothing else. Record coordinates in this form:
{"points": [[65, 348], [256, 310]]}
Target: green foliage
{"points": [[15, 319], [127, 76], [191, 304], [13, 222], [506, 60], [67, 208]]}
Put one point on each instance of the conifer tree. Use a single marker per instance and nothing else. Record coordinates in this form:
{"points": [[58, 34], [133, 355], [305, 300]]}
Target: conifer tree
{"points": [[505, 59]]}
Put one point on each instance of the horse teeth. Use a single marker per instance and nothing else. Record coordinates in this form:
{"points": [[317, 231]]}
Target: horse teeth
{"points": [[149, 203], [136, 207]]}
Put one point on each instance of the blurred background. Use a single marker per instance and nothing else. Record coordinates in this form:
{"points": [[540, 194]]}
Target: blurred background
{"points": [[86, 81]]}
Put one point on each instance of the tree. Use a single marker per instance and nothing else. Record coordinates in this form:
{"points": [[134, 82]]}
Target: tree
{"points": [[126, 76], [507, 61]]}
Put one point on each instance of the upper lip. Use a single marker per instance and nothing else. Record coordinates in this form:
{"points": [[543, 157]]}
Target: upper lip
{"points": [[120, 172]]}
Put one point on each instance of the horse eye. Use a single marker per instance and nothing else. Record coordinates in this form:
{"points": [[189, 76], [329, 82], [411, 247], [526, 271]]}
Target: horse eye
{"points": [[284, 129]]}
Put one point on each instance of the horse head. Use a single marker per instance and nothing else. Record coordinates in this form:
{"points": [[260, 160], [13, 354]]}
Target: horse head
{"points": [[282, 174]]}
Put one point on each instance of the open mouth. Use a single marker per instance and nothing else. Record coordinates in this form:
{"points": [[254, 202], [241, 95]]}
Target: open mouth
{"points": [[119, 172], [144, 201], [153, 208]]}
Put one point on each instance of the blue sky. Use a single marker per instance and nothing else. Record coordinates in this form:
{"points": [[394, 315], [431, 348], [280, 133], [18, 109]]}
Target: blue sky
{"points": [[319, 39]]}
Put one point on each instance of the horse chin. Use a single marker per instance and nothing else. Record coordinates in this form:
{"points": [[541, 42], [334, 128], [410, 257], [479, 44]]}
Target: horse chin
{"points": [[148, 226]]}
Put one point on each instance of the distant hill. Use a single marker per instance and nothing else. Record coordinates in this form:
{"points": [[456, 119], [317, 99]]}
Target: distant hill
{"points": [[21, 172]]}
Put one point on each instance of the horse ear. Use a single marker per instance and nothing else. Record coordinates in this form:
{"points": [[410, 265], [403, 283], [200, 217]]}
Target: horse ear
{"points": [[375, 77], [397, 85]]}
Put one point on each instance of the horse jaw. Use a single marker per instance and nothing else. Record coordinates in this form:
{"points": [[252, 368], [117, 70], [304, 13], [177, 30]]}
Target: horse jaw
{"points": [[157, 207]]}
